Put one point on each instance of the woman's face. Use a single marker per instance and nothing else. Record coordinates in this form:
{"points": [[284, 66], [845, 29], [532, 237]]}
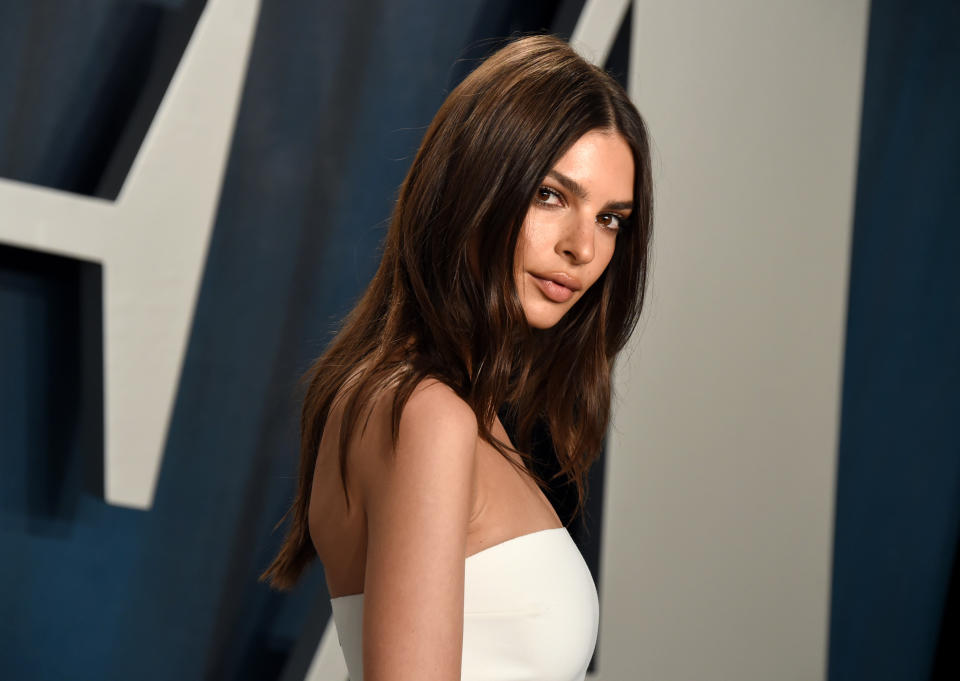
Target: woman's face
{"points": [[570, 229]]}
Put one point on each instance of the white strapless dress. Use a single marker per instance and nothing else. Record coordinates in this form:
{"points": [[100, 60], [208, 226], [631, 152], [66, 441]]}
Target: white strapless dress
{"points": [[530, 613]]}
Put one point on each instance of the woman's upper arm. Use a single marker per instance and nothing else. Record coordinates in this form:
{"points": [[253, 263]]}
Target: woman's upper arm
{"points": [[418, 507]]}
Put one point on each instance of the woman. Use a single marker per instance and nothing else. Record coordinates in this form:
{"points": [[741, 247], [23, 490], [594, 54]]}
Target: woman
{"points": [[513, 272]]}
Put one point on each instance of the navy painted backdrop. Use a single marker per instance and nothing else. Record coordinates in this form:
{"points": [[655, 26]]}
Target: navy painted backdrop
{"points": [[898, 482]]}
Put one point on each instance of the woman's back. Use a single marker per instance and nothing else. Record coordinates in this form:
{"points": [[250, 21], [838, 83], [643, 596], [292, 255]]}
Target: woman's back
{"points": [[525, 588], [504, 503]]}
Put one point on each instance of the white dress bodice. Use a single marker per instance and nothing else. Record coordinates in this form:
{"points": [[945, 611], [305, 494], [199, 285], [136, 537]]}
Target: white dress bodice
{"points": [[531, 613]]}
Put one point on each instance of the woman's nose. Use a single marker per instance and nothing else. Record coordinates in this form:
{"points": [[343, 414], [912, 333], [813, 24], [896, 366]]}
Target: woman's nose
{"points": [[576, 242]]}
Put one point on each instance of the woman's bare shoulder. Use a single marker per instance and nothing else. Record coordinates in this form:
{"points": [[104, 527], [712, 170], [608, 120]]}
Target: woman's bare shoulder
{"points": [[418, 510], [435, 408], [433, 419]]}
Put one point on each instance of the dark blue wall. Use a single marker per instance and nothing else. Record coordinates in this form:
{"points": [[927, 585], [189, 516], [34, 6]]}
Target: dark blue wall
{"points": [[898, 496]]}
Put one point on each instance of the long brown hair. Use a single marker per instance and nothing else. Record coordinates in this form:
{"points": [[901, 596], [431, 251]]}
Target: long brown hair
{"points": [[443, 302]]}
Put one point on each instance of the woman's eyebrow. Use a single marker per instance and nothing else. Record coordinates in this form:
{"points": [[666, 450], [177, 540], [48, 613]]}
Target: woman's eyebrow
{"points": [[573, 186], [618, 205], [569, 183]]}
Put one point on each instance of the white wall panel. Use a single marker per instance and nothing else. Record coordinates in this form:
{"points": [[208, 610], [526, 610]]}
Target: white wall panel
{"points": [[719, 516]]}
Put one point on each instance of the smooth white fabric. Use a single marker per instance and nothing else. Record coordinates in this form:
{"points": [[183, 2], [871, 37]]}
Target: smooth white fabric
{"points": [[531, 613]]}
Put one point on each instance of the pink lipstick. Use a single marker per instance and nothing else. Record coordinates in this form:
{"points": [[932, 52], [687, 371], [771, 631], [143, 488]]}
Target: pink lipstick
{"points": [[556, 292]]}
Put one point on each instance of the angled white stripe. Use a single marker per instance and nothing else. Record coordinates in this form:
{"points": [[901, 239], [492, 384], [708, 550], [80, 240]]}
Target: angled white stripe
{"points": [[597, 29], [328, 663], [152, 243]]}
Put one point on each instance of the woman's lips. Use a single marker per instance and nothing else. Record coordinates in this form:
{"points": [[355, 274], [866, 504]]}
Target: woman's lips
{"points": [[552, 290]]}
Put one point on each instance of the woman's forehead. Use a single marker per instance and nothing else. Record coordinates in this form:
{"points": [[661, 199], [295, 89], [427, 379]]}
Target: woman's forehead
{"points": [[598, 162]]}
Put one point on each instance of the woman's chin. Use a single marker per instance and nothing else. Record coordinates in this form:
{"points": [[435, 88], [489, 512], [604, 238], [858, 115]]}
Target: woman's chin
{"points": [[544, 319]]}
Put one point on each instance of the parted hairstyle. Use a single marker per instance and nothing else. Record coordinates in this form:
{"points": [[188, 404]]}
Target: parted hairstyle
{"points": [[443, 303]]}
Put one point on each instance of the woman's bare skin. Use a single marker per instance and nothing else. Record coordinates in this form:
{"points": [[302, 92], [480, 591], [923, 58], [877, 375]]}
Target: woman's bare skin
{"points": [[505, 504]]}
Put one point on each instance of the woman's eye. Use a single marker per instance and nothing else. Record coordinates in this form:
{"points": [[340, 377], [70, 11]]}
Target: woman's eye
{"points": [[610, 221], [548, 196]]}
